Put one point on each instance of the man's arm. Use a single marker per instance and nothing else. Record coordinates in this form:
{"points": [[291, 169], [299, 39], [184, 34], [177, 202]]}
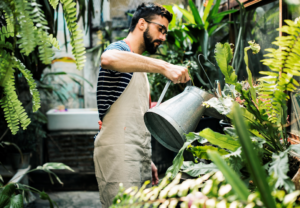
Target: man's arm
{"points": [[123, 61]]}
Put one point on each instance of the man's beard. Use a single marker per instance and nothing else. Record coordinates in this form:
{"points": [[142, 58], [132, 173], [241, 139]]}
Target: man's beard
{"points": [[149, 44]]}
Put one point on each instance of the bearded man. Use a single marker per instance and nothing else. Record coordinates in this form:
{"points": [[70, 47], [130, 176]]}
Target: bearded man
{"points": [[122, 151]]}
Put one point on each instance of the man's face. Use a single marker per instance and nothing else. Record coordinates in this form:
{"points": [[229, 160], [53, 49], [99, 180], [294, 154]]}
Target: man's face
{"points": [[155, 33]]}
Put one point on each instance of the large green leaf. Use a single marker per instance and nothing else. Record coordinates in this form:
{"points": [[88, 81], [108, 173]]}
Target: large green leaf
{"points": [[6, 194], [254, 166], [223, 55], [207, 10], [221, 140], [172, 24], [195, 12], [186, 15], [195, 170], [279, 167], [15, 202], [215, 8], [201, 151], [231, 177], [178, 160]]}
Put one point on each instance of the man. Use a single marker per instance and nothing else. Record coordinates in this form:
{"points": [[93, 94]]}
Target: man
{"points": [[122, 148]]}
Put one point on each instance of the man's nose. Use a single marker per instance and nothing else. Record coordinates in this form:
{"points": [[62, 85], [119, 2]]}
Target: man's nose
{"points": [[163, 37]]}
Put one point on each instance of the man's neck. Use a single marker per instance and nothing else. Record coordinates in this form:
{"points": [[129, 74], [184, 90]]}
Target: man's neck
{"points": [[137, 44]]}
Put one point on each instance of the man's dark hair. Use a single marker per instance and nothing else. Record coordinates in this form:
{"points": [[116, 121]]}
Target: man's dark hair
{"points": [[148, 12]]}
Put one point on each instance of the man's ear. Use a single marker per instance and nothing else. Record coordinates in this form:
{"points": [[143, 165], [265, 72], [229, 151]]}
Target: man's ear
{"points": [[142, 25]]}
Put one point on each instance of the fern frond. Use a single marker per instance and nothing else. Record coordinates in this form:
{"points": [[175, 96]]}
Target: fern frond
{"points": [[44, 46], [27, 43], [6, 32], [53, 3], [6, 70], [14, 112], [53, 41], [36, 103], [286, 60], [78, 49], [10, 22], [7, 45], [37, 16]]}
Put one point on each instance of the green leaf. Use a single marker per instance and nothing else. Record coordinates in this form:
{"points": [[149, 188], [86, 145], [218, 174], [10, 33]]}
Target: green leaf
{"points": [[172, 24], [256, 170], [255, 48], [195, 170], [201, 151], [47, 167], [178, 160], [207, 10], [186, 15], [223, 55], [279, 167], [16, 202], [45, 196], [195, 12], [221, 140], [7, 193], [231, 177], [222, 14]]}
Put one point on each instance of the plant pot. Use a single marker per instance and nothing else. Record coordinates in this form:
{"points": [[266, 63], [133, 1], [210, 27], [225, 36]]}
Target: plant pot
{"points": [[16, 160]]}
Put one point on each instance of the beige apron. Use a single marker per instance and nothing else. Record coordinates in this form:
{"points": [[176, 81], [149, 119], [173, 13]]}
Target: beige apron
{"points": [[122, 148]]}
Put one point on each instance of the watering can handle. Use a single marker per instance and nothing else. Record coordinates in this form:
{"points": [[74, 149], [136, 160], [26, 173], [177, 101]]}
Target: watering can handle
{"points": [[163, 93], [165, 90]]}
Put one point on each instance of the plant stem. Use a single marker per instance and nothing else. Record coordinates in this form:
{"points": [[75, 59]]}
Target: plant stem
{"points": [[4, 134]]}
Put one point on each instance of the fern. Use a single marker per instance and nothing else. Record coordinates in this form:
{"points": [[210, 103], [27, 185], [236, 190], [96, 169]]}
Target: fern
{"points": [[13, 110], [53, 3], [286, 60], [37, 16], [6, 70], [31, 83], [27, 42], [44, 46], [6, 32], [76, 34]]}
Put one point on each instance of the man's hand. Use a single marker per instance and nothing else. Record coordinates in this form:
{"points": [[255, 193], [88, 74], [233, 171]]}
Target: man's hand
{"points": [[154, 174], [177, 74]]}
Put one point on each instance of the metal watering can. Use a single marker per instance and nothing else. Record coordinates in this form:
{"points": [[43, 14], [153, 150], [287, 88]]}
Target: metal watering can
{"points": [[169, 121]]}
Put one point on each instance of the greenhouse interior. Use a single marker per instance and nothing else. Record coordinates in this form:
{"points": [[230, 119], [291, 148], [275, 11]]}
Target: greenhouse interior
{"points": [[166, 103]]}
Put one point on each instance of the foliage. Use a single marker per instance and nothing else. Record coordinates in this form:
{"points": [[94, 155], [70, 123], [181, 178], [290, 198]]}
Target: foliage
{"points": [[188, 36], [25, 30], [13, 194], [221, 189], [264, 108]]}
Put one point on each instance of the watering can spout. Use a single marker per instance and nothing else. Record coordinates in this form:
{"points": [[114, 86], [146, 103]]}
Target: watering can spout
{"points": [[168, 122]]}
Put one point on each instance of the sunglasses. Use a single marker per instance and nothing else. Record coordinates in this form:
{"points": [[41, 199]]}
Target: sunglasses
{"points": [[162, 28]]}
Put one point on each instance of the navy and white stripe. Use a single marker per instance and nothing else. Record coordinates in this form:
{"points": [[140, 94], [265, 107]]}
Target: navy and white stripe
{"points": [[111, 83]]}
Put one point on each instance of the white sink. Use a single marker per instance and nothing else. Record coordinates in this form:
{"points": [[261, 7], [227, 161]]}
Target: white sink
{"points": [[73, 119]]}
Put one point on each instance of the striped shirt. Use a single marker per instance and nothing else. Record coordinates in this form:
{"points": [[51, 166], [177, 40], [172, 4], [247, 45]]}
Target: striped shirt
{"points": [[111, 84]]}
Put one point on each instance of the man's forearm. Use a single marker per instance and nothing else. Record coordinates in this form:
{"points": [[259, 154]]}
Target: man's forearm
{"points": [[129, 62], [122, 61]]}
